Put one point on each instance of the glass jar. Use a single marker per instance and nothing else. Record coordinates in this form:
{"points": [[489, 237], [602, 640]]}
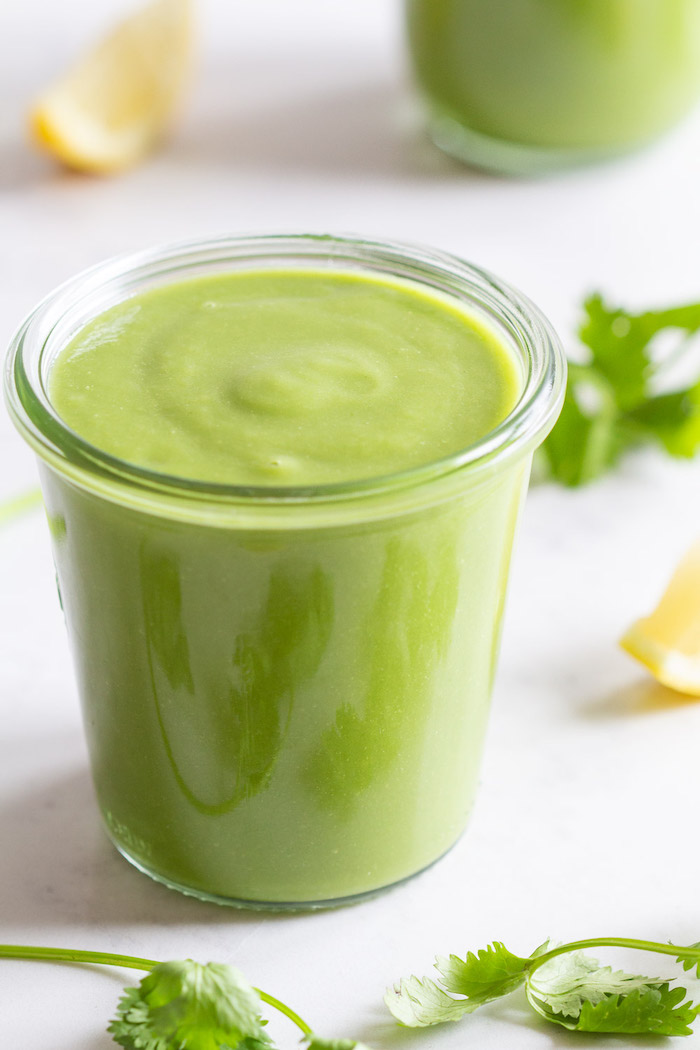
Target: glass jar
{"points": [[284, 690], [524, 86]]}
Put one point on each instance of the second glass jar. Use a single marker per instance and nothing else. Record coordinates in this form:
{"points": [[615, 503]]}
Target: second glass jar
{"points": [[524, 86]]}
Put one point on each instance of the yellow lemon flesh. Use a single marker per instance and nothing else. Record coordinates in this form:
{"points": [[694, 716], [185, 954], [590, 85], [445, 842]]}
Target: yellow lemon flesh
{"points": [[668, 641], [113, 106]]}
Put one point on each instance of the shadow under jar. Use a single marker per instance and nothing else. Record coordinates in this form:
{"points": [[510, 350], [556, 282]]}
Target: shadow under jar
{"points": [[527, 86], [284, 686]]}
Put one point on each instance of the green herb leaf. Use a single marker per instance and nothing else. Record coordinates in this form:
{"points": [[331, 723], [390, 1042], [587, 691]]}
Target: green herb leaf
{"points": [[587, 439], [418, 1002], [187, 1004], [613, 400], [692, 963], [565, 983], [489, 974], [673, 419], [650, 1010]]}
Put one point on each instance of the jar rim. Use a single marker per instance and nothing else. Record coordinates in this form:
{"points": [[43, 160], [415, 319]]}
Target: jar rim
{"points": [[92, 291]]}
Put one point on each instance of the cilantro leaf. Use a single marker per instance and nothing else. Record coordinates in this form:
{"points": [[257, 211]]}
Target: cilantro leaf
{"points": [[587, 439], [613, 400], [417, 1002], [489, 974], [690, 964], [564, 984], [674, 420], [187, 1004], [649, 1010]]}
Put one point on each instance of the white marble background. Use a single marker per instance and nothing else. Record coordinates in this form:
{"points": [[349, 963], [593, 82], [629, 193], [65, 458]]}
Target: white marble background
{"points": [[300, 118]]}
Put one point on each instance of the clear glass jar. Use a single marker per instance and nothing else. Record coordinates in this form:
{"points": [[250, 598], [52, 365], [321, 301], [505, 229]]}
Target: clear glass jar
{"points": [[525, 86], [284, 689]]}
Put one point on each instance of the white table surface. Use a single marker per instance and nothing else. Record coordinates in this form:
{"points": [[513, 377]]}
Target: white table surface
{"points": [[300, 118]]}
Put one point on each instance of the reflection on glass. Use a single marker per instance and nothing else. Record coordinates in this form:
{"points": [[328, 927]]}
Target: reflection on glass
{"points": [[223, 726], [406, 635]]}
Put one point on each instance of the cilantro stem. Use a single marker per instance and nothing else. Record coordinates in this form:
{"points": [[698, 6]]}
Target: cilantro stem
{"points": [[24, 951], [129, 962], [615, 942], [286, 1010]]}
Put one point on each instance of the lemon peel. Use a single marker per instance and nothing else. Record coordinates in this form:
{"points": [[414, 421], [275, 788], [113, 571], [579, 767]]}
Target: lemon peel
{"points": [[668, 641], [113, 106]]}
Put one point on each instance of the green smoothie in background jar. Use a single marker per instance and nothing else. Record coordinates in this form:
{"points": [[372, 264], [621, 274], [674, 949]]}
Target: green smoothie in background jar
{"points": [[282, 477], [523, 86]]}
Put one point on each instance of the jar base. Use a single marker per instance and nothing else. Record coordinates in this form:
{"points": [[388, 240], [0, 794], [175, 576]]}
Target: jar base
{"points": [[502, 157], [270, 906]]}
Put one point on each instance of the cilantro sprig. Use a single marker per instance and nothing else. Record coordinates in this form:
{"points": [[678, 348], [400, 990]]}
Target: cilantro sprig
{"points": [[624, 395], [562, 984], [186, 1004]]}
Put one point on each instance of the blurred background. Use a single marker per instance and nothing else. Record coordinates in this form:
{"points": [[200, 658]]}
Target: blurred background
{"points": [[301, 116]]}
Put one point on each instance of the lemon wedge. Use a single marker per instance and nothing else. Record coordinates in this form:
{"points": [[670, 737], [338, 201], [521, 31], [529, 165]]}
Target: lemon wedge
{"points": [[112, 107], [668, 641]]}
